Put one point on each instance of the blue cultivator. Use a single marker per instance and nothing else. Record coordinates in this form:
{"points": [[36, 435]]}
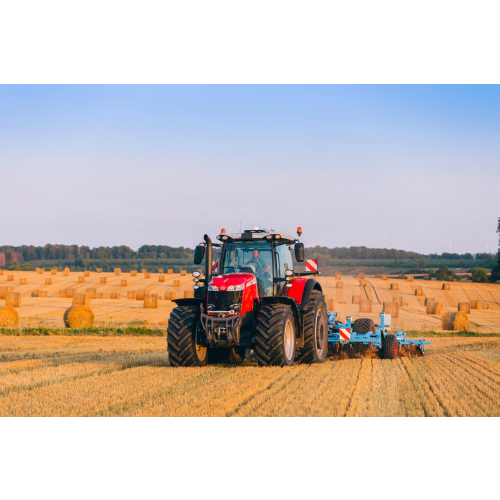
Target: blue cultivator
{"points": [[365, 332]]}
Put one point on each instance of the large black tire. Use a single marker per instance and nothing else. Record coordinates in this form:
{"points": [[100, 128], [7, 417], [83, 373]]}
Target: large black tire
{"points": [[315, 348], [362, 325], [390, 347], [275, 336], [181, 336]]}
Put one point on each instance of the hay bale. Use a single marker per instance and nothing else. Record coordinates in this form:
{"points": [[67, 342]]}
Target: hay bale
{"points": [[42, 293], [140, 294], [133, 273], [117, 271], [338, 277], [169, 295], [161, 278], [81, 279], [144, 271], [13, 299], [131, 294], [151, 301], [418, 292], [34, 293], [356, 299], [409, 278], [446, 286], [11, 277], [123, 283], [86, 273], [103, 280], [4, 290], [53, 272], [79, 317], [147, 275], [362, 276], [160, 271], [81, 299], [183, 273], [330, 304], [48, 281], [484, 305], [66, 272], [1, 272], [464, 307], [170, 271], [23, 281], [62, 294], [8, 316], [100, 295], [70, 292], [398, 300], [40, 271], [455, 321], [189, 294], [92, 292], [391, 308], [115, 295], [177, 283], [362, 282], [365, 306], [429, 300], [434, 308], [340, 284], [384, 277], [98, 270], [475, 304], [394, 286]]}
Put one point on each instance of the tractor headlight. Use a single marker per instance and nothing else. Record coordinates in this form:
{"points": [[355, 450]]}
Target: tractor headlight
{"points": [[288, 272], [213, 288], [196, 274], [232, 288]]}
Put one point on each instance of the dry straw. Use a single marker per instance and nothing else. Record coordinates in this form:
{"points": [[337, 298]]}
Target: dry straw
{"points": [[428, 300], [409, 278], [98, 270], [8, 316], [100, 295], [86, 273], [394, 286], [475, 304], [170, 271], [23, 281], [434, 308], [48, 281], [484, 305], [362, 276], [123, 283], [183, 273], [62, 294], [169, 295], [39, 271], [92, 292], [362, 282], [151, 301], [117, 271], [391, 308], [115, 295], [418, 292], [79, 317], [356, 299], [464, 307], [338, 277], [34, 293], [53, 271], [384, 277], [103, 280], [1, 272], [340, 284], [446, 286], [4, 290], [455, 321], [81, 279], [13, 299], [11, 277], [161, 278], [133, 273], [81, 299], [131, 294], [141, 293], [147, 275], [66, 272], [42, 293], [365, 306], [189, 294], [160, 271], [398, 300], [70, 292], [177, 283], [330, 304]]}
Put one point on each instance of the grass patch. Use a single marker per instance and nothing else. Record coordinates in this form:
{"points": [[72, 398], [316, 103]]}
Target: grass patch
{"points": [[134, 331]]}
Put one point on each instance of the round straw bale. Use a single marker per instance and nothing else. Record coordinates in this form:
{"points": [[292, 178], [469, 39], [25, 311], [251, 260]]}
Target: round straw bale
{"points": [[183, 273], [43, 293], [391, 308], [11, 277], [86, 273], [117, 271], [98, 269], [48, 281], [144, 271], [40, 271], [394, 286], [160, 271], [464, 307], [170, 271], [115, 295], [398, 300], [81, 299], [362, 282], [365, 306], [340, 284], [330, 304], [103, 280], [189, 294], [177, 283], [133, 273], [70, 292], [66, 272], [418, 292], [455, 321], [8, 316], [362, 276], [1, 272], [100, 295], [434, 308], [356, 299], [4, 290], [92, 292], [147, 275], [131, 294], [409, 278], [79, 317], [161, 278], [428, 300], [23, 281], [62, 294], [13, 299], [338, 276], [34, 293], [123, 283], [484, 305], [140, 294], [151, 301], [384, 277], [446, 286], [53, 271], [475, 304], [169, 295], [81, 279]]}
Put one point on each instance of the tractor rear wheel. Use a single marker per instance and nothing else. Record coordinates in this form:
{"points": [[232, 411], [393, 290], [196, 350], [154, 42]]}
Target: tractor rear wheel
{"points": [[275, 336], [390, 347], [181, 336], [363, 325], [315, 348]]}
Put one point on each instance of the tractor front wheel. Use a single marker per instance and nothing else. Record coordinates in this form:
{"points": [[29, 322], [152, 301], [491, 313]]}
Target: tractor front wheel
{"points": [[390, 347]]}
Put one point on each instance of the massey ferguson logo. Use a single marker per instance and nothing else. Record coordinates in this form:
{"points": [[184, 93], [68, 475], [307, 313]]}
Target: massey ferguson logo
{"points": [[222, 288]]}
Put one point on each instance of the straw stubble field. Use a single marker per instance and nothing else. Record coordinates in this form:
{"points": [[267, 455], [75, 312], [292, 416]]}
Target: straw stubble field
{"points": [[130, 376]]}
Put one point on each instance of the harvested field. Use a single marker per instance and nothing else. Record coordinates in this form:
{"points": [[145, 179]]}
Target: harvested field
{"points": [[130, 376]]}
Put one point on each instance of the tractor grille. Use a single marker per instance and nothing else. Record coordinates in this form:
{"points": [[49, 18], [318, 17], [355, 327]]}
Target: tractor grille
{"points": [[222, 301]]}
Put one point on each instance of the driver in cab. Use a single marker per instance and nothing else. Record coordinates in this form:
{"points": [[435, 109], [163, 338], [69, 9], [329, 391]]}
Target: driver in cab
{"points": [[261, 266]]}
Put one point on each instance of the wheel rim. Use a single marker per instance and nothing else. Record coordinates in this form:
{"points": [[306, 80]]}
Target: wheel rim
{"points": [[320, 332], [289, 340]]}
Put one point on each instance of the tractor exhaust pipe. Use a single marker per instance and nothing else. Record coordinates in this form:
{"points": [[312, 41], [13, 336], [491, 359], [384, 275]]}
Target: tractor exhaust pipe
{"points": [[208, 260]]}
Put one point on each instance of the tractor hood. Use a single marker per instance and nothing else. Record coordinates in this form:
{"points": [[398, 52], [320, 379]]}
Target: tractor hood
{"points": [[230, 282]]}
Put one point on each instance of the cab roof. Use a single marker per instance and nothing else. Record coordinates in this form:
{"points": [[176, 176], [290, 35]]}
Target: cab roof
{"points": [[257, 234]]}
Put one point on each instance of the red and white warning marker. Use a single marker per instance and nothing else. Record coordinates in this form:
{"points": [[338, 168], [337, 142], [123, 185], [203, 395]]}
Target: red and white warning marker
{"points": [[312, 265], [215, 267], [345, 335]]}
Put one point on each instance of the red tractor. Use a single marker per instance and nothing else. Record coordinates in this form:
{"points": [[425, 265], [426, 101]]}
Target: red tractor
{"points": [[250, 297]]}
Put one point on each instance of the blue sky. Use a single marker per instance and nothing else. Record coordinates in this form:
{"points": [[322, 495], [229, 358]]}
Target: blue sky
{"points": [[111, 165]]}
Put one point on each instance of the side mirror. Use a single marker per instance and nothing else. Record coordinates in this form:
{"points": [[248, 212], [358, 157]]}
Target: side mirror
{"points": [[199, 253], [299, 252]]}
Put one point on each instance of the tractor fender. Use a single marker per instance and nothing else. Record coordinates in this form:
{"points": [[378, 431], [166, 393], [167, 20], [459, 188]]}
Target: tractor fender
{"points": [[284, 300], [310, 285], [188, 302], [300, 291]]}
